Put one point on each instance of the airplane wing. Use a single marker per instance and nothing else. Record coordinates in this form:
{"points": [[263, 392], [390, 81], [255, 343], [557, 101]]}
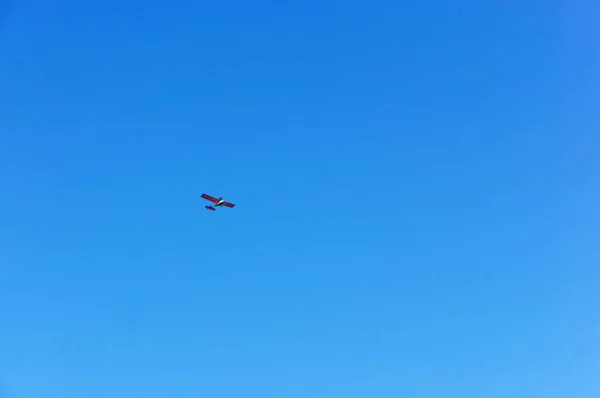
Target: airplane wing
{"points": [[228, 204], [208, 197]]}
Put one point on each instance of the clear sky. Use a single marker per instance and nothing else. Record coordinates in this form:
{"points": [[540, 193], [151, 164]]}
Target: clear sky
{"points": [[416, 187]]}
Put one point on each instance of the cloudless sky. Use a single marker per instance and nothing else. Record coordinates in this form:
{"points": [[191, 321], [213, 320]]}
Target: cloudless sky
{"points": [[416, 187]]}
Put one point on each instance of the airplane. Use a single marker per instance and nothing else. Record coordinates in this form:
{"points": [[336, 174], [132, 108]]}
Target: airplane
{"points": [[218, 202]]}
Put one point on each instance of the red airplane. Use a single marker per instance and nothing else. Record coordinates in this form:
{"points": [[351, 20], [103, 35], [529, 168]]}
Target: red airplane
{"points": [[218, 202]]}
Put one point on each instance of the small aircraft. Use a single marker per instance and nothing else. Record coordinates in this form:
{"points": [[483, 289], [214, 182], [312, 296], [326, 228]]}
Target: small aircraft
{"points": [[218, 202]]}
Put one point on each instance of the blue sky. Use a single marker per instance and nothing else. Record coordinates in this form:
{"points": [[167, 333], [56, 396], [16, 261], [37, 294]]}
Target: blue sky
{"points": [[415, 185]]}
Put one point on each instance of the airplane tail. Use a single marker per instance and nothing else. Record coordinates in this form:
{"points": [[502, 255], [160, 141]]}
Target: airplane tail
{"points": [[210, 208]]}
